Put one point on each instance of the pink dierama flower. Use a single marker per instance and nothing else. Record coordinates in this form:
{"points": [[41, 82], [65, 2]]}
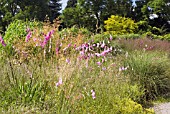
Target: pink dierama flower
{"points": [[28, 30], [99, 63], [123, 68], [28, 36], [68, 60], [47, 38], [111, 38], [93, 94], [61, 44], [103, 60], [74, 46], [83, 46], [36, 45], [103, 68], [103, 44], [57, 50], [81, 52], [2, 41], [98, 54], [52, 31], [34, 39], [69, 45], [103, 53], [59, 82], [98, 45]]}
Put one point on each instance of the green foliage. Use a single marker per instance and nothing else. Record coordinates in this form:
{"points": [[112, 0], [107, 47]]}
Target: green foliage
{"points": [[143, 26], [17, 30], [91, 14], [120, 25], [20, 86], [71, 16], [74, 31], [11, 10], [166, 37], [159, 8], [71, 3], [151, 71], [128, 36], [77, 16]]}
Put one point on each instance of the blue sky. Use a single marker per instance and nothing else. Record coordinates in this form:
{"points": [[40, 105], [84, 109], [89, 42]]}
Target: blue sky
{"points": [[64, 3]]}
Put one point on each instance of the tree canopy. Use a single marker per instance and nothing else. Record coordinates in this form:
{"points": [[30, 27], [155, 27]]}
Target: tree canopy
{"points": [[93, 13], [89, 13], [27, 9]]}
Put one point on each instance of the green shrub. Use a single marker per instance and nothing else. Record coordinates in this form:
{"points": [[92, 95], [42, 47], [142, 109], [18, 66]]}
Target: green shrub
{"points": [[143, 27], [151, 71], [166, 37], [74, 31], [17, 31], [120, 25]]}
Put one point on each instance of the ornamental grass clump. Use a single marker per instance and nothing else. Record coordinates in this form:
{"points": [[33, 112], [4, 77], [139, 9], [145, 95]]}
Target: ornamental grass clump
{"points": [[151, 71]]}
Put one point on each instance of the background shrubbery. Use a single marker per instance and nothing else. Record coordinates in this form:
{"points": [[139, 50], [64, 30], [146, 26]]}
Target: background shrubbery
{"points": [[120, 25]]}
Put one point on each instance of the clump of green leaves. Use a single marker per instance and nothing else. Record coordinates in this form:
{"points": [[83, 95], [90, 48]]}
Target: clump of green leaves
{"points": [[20, 86], [120, 25]]}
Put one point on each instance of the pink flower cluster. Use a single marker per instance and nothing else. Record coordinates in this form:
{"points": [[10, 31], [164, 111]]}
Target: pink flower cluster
{"points": [[88, 50], [28, 36], [47, 38], [2, 41], [59, 82], [93, 94], [123, 68]]}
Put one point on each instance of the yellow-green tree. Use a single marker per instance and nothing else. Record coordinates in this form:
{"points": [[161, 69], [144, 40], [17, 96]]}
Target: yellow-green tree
{"points": [[120, 25]]}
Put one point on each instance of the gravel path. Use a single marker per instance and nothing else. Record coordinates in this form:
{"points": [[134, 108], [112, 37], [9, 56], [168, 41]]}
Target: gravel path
{"points": [[163, 108]]}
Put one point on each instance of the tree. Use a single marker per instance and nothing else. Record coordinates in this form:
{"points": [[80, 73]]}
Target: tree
{"points": [[95, 9], [157, 12], [27, 9], [71, 4], [78, 16], [92, 13], [55, 7]]}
